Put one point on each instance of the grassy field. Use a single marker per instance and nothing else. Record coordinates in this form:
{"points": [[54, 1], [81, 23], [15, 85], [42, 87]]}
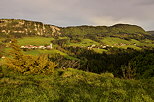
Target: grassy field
{"points": [[53, 51], [112, 41], [40, 41], [71, 85], [130, 46], [84, 43], [35, 41], [145, 42], [99, 50]]}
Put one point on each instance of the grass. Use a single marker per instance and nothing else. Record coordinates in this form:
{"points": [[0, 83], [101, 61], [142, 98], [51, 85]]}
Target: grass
{"points": [[130, 46], [1, 39], [112, 41], [63, 37], [71, 85], [84, 43], [35, 41], [99, 50], [40, 41], [53, 51]]}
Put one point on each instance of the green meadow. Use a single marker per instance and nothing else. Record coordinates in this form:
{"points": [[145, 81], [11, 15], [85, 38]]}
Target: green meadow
{"points": [[112, 41], [35, 41], [52, 51], [84, 43]]}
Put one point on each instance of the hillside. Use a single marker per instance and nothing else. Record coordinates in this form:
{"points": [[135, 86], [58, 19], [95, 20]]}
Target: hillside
{"points": [[115, 29], [71, 85], [124, 31], [90, 48], [75, 64]]}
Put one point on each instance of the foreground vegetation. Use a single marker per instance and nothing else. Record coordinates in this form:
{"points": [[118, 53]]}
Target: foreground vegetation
{"points": [[71, 85]]}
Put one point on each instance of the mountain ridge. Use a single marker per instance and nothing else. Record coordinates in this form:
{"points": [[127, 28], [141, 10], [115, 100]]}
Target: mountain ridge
{"points": [[19, 28]]}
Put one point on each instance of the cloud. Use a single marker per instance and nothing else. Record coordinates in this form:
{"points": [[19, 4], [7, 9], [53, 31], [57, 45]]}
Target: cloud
{"points": [[109, 21], [146, 3]]}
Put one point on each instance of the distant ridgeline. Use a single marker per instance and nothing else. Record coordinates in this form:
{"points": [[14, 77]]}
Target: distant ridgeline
{"points": [[21, 28], [125, 31]]}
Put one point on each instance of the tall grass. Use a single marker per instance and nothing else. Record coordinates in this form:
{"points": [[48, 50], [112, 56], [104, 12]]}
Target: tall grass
{"points": [[72, 85]]}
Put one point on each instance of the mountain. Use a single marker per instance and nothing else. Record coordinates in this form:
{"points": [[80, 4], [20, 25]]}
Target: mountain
{"points": [[118, 30], [21, 28]]}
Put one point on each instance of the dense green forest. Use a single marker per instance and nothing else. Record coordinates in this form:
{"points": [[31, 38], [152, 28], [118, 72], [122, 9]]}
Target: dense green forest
{"points": [[83, 63]]}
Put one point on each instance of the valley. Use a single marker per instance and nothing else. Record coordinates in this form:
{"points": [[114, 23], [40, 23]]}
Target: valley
{"points": [[78, 63]]}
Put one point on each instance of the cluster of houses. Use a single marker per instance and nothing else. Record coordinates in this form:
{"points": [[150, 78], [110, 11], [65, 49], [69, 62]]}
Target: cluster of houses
{"points": [[122, 44], [36, 47], [99, 47], [105, 46]]}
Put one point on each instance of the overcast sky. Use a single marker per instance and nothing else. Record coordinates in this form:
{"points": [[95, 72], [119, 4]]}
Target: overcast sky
{"points": [[81, 12]]}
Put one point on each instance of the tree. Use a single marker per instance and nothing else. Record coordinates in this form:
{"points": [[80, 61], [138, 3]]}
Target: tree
{"points": [[128, 71], [28, 64]]}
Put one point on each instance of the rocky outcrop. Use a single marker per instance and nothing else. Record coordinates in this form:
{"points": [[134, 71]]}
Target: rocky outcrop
{"points": [[23, 28]]}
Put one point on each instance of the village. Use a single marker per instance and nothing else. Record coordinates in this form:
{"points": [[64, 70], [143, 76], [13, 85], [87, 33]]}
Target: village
{"points": [[107, 46], [88, 47], [37, 47]]}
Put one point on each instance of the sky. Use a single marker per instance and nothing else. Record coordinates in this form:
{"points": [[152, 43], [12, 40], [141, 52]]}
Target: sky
{"points": [[81, 12]]}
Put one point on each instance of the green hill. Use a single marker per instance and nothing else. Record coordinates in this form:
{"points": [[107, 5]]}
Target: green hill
{"points": [[124, 31]]}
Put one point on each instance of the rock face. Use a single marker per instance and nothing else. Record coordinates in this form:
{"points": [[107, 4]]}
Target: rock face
{"points": [[20, 28]]}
